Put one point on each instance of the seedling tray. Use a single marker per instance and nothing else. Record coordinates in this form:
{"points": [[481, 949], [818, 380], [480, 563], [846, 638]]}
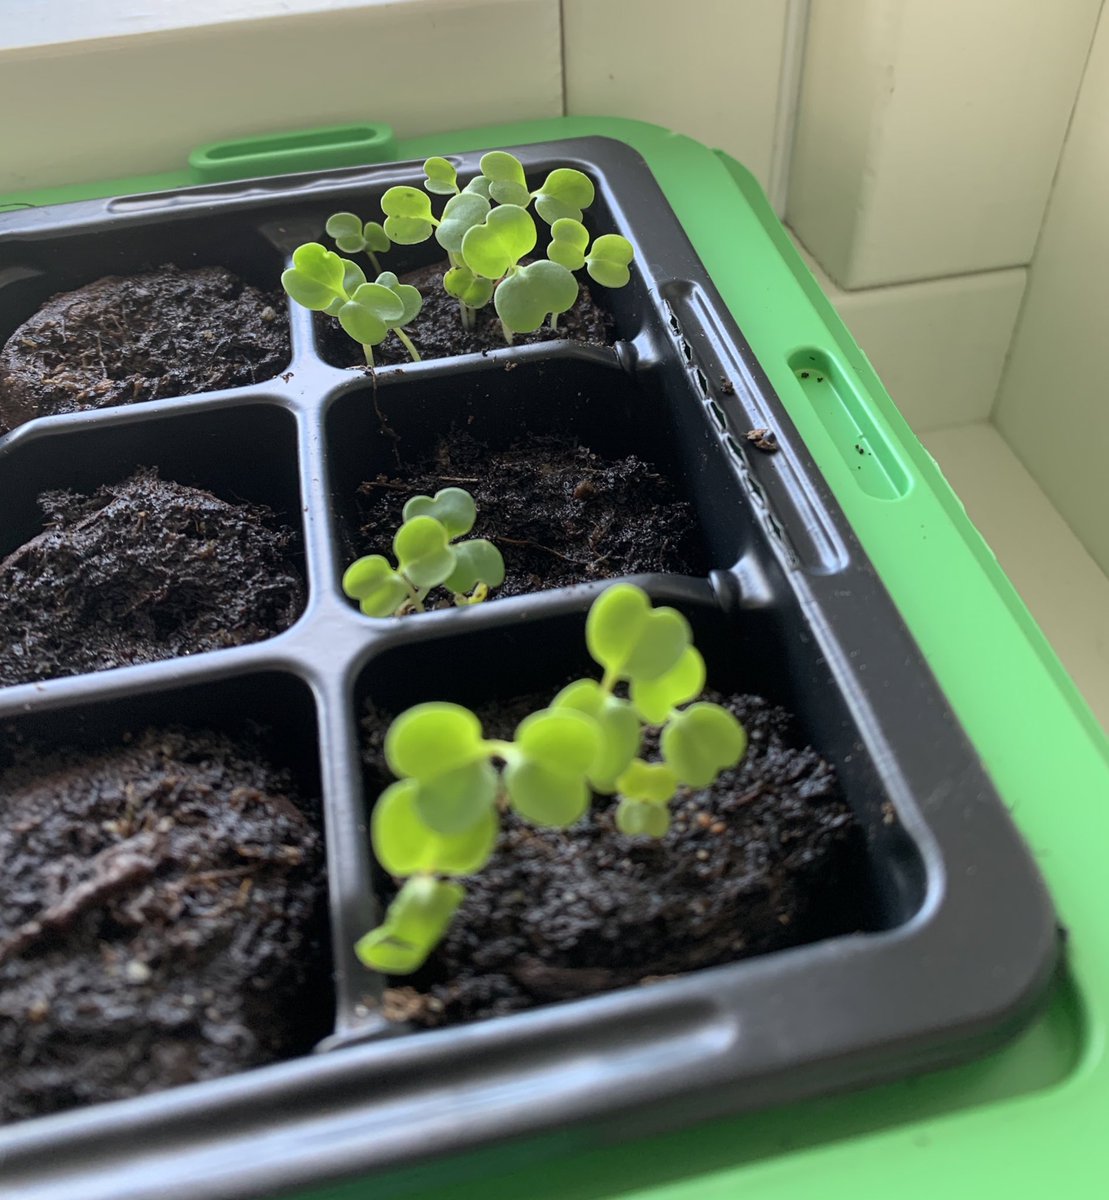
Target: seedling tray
{"points": [[960, 941]]}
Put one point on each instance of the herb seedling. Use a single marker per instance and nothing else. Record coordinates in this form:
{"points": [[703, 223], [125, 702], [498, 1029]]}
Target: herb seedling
{"points": [[427, 558], [441, 818], [352, 235], [487, 231], [322, 281]]}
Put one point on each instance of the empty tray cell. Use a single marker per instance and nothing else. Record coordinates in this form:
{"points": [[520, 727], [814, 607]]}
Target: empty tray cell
{"points": [[100, 312], [131, 542], [164, 919], [784, 850], [580, 471]]}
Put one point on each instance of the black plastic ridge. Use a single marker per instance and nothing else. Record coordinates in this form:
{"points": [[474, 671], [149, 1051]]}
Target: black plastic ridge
{"points": [[962, 942]]}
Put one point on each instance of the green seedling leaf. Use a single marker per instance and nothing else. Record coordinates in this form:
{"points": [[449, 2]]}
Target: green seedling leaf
{"points": [[452, 507], [505, 236], [428, 739], [461, 214], [408, 217], [423, 551], [352, 235], [618, 725], [507, 184], [701, 741], [410, 298], [545, 776], [476, 561], [441, 747], [370, 313], [315, 280], [442, 179], [563, 194], [637, 819], [404, 845], [533, 293], [345, 226], [478, 186], [568, 242], [630, 639], [375, 237], [648, 783], [655, 699], [416, 921], [353, 278], [608, 259], [379, 590], [471, 289], [456, 801]]}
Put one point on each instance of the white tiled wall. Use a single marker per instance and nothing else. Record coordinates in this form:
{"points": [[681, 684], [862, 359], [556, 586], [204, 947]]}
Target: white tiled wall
{"points": [[929, 132], [1053, 406], [118, 105], [713, 74]]}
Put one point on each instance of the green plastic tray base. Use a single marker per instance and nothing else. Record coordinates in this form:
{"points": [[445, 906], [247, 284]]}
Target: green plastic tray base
{"points": [[1014, 1123]]}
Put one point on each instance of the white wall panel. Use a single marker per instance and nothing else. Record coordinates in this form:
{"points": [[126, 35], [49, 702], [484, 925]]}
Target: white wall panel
{"points": [[116, 106], [706, 68], [929, 132], [1053, 406], [939, 346]]}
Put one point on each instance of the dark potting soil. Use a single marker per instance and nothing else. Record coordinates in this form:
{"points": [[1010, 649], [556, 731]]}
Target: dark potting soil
{"points": [[142, 570], [161, 920], [768, 857], [437, 332], [126, 338], [559, 512]]}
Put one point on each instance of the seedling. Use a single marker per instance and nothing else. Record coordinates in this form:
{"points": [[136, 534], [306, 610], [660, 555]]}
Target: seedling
{"points": [[352, 235], [488, 232], [441, 818], [322, 281], [427, 558]]}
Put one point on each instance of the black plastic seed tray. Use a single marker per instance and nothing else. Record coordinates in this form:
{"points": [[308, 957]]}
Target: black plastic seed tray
{"points": [[959, 938]]}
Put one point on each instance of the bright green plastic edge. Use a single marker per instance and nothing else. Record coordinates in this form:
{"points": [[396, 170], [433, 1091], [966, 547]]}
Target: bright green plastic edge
{"points": [[1015, 1123]]}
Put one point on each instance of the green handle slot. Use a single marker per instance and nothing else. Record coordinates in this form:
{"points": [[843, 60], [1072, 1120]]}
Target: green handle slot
{"points": [[284, 153], [872, 460]]}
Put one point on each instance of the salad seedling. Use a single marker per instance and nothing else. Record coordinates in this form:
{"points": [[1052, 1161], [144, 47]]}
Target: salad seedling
{"points": [[427, 558], [352, 235], [322, 281], [441, 818], [488, 232]]}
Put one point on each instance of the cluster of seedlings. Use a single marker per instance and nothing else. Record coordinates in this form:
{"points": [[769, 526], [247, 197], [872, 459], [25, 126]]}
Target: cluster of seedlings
{"points": [[488, 233]]}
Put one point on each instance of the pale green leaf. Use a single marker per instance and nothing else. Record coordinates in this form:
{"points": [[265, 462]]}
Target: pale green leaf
{"points": [[405, 845], [630, 639], [656, 698], [642, 820], [373, 582], [649, 783], [452, 507], [476, 561], [563, 195], [701, 741], [462, 213], [533, 293], [505, 236], [423, 552], [608, 259], [431, 738]]}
